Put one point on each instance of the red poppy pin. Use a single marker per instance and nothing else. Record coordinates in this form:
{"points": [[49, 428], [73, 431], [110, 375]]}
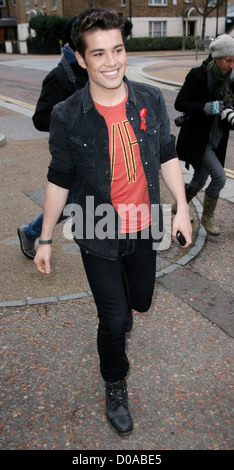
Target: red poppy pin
{"points": [[143, 118]]}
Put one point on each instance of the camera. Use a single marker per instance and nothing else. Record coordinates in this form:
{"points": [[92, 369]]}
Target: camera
{"points": [[179, 121], [228, 113]]}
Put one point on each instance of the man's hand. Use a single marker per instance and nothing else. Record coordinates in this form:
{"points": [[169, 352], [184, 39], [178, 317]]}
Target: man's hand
{"points": [[172, 175], [55, 200], [42, 259], [182, 223]]}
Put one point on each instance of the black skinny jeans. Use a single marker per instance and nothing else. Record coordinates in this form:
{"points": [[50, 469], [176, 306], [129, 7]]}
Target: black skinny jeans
{"points": [[132, 272]]}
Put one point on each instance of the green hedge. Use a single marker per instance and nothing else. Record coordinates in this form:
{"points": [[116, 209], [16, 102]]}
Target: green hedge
{"points": [[169, 43], [48, 27], [49, 33], [36, 46]]}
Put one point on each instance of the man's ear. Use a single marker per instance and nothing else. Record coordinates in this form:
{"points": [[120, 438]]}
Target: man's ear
{"points": [[80, 60]]}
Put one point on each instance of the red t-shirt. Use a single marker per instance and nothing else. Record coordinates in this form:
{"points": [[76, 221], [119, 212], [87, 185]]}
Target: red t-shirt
{"points": [[129, 190]]}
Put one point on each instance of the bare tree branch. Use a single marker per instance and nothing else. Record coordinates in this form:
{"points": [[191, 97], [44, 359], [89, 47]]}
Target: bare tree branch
{"points": [[205, 8]]}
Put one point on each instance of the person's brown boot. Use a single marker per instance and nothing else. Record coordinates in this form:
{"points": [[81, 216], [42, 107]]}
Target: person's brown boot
{"points": [[208, 220]]}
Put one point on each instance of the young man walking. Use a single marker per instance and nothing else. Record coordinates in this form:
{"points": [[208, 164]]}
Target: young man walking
{"points": [[110, 140]]}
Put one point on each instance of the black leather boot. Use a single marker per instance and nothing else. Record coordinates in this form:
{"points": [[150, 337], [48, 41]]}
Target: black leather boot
{"points": [[117, 406]]}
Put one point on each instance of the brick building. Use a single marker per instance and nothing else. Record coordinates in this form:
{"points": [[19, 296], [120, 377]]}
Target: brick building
{"points": [[149, 17], [160, 17], [15, 15]]}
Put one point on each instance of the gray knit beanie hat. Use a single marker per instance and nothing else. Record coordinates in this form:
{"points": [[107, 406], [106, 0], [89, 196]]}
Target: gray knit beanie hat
{"points": [[223, 46]]}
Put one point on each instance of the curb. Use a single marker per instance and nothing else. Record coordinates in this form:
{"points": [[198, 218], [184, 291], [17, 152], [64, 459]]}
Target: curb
{"points": [[199, 243], [138, 71], [2, 140], [160, 80]]}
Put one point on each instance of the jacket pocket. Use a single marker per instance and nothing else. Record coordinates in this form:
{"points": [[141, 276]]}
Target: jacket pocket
{"points": [[153, 134], [83, 151]]}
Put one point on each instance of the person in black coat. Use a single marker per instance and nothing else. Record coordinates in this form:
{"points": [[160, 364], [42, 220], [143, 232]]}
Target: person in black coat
{"points": [[58, 85], [207, 101]]}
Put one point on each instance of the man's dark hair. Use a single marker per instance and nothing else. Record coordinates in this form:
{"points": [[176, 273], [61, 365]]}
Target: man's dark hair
{"points": [[92, 20]]}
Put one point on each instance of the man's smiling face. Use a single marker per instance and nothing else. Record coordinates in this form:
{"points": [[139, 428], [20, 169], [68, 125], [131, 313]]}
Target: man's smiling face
{"points": [[105, 60]]}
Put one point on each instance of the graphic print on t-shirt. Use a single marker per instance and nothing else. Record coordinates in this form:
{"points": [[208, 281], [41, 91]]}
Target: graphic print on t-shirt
{"points": [[128, 150], [128, 181]]}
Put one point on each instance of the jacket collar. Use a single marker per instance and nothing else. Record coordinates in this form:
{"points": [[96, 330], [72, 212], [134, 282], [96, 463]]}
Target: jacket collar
{"points": [[88, 100]]}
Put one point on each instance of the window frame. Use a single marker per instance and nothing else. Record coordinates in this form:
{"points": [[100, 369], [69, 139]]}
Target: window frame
{"points": [[163, 29], [160, 3], [54, 5], [27, 6]]}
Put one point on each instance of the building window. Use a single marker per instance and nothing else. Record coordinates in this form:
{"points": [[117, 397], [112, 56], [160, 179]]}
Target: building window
{"points": [[157, 29], [123, 3], [157, 3], [13, 2], [2, 3], [54, 4], [27, 6], [35, 3], [43, 3]]}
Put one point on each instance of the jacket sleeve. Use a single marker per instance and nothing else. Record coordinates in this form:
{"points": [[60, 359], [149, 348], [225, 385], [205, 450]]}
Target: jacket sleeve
{"points": [[187, 100], [61, 169], [51, 94], [167, 140]]}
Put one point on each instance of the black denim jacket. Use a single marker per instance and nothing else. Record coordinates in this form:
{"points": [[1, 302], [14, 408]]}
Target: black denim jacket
{"points": [[79, 145]]}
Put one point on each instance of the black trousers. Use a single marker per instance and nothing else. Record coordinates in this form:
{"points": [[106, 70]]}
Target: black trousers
{"points": [[133, 271]]}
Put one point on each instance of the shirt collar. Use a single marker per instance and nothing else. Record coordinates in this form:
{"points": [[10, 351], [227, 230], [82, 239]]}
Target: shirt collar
{"points": [[88, 100]]}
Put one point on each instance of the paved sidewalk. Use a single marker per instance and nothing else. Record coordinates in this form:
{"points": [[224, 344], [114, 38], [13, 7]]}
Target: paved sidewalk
{"points": [[181, 351]]}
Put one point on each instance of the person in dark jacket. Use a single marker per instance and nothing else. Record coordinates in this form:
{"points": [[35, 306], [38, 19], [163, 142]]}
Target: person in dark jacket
{"points": [[207, 101], [58, 85], [112, 137]]}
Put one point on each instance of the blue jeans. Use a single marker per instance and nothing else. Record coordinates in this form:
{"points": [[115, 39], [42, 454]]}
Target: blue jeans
{"points": [[33, 230], [212, 167], [127, 282]]}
